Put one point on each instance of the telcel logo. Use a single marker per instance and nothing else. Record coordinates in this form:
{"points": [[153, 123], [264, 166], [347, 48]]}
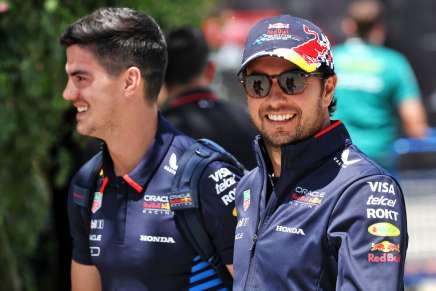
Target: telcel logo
{"points": [[381, 201]]}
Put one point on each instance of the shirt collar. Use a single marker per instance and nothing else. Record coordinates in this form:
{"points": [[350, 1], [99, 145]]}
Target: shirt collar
{"points": [[139, 177]]}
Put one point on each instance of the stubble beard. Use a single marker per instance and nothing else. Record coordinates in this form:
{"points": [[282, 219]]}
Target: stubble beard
{"points": [[280, 137]]}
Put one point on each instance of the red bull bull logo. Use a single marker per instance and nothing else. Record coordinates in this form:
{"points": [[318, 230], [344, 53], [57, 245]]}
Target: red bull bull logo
{"points": [[385, 247], [314, 51]]}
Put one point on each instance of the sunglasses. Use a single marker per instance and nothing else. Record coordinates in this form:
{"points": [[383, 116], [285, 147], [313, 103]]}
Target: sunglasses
{"points": [[293, 82]]}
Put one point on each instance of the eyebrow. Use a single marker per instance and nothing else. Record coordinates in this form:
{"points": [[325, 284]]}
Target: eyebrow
{"points": [[78, 72]]}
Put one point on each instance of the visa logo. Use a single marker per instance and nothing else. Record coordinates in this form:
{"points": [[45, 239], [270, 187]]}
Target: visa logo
{"points": [[382, 187]]}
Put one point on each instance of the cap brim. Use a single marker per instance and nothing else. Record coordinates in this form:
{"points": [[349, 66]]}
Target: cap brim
{"points": [[284, 53]]}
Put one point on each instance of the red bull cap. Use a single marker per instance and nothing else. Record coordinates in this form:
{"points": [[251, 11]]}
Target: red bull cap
{"points": [[291, 38]]}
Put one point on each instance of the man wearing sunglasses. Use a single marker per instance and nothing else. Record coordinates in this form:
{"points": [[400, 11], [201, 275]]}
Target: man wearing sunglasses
{"points": [[316, 213]]}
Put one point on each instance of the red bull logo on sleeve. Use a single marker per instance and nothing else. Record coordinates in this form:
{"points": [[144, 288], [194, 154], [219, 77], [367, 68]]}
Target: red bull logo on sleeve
{"points": [[385, 247], [385, 258]]}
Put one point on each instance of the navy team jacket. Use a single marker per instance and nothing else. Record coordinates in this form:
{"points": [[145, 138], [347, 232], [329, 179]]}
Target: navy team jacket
{"points": [[334, 220], [133, 239]]}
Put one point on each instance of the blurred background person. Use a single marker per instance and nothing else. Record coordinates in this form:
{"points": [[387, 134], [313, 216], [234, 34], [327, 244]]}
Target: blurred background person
{"points": [[192, 106], [378, 95]]}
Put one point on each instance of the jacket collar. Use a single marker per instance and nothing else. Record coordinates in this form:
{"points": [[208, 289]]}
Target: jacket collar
{"points": [[301, 158]]}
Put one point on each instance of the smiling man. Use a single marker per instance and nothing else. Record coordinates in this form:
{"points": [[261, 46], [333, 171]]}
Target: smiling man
{"points": [[316, 213], [125, 232]]}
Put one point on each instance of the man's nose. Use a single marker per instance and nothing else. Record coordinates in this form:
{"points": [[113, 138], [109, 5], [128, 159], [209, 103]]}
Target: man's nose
{"points": [[70, 93]]}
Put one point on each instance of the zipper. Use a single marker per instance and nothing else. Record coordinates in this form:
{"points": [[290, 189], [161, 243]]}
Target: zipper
{"points": [[251, 264], [260, 220]]}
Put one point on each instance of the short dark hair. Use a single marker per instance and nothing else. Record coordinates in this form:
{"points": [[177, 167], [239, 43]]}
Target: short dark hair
{"points": [[327, 73], [188, 55], [120, 38]]}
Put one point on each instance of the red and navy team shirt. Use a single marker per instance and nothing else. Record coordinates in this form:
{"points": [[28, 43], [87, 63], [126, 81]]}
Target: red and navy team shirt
{"points": [[132, 238]]}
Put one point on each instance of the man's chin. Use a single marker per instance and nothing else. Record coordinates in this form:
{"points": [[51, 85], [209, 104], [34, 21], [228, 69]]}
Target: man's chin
{"points": [[85, 131], [278, 140]]}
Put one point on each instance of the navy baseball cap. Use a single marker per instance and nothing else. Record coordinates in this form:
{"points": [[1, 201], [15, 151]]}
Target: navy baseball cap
{"points": [[294, 39]]}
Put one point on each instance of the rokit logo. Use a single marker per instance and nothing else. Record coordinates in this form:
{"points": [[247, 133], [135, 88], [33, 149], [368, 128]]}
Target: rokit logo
{"points": [[172, 164], [224, 179], [382, 213], [381, 187]]}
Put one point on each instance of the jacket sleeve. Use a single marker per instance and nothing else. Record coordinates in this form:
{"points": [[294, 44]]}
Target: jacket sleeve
{"points": [[367, 233], [217, 199], [77, 200]]}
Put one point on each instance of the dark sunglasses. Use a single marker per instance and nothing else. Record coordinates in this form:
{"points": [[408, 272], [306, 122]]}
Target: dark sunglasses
{"points": [[293, 82]]}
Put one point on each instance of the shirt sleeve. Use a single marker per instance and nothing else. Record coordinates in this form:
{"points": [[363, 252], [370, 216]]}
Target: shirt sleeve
{"points": [[406, 84], [217, 199], [77, 202], [368, 234]]}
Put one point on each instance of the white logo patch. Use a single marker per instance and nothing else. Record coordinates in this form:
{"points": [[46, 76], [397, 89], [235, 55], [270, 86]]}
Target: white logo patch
{"points": [[97, 223], [381, 213], [278, 25], [158, 239], [381, 201], [242, 222], [172, 164], [239, 236], [95, 237], [220, 174], [345, 161], [382, 187], [229, 197], [94, 251], [293, 230]]}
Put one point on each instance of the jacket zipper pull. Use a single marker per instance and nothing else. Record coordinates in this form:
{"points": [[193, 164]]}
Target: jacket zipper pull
{"points": [[253, 244]]}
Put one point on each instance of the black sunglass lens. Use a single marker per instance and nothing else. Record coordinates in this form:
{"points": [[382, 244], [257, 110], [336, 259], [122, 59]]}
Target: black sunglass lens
{"points": [[257, 85], [292, 82]]}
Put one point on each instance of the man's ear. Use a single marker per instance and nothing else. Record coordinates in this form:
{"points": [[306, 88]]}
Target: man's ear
{"points": [[210, 71], [329, 90], [132, 80]]}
